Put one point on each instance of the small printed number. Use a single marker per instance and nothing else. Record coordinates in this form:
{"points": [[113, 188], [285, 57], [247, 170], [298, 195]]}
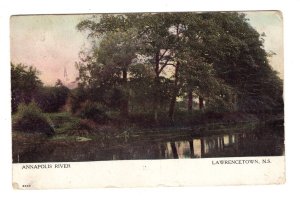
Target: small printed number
{"points": [[27, 186]]}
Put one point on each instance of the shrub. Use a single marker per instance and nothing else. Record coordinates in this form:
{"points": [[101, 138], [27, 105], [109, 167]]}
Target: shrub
{"points": [[63, 121], [94, 111], [78, 96], [30, 118], [51, 99]]}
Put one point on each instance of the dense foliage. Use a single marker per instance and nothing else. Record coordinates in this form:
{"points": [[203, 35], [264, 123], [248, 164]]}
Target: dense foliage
{"points": [[30, 119], [156, 65], [27, 87], [52, 99], [24, 84], [149, 61], [94, 111]]}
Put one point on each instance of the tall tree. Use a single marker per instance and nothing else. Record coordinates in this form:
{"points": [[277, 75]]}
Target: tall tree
{"points": [[217, 56], [239, 58], [151, 30], [107, 66]]}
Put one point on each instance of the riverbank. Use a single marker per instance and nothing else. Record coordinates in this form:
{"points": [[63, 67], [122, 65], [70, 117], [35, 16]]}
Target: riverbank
{"points": [[71, 144]]}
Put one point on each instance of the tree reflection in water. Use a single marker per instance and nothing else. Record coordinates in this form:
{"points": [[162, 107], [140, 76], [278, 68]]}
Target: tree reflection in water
{"points": [[260, 143]]}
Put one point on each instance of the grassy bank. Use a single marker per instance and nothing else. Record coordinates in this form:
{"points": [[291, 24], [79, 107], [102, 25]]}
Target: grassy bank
{"points": [[75, 138], [66, 124]]}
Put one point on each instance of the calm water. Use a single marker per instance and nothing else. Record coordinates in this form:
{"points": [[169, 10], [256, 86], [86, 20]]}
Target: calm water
{"points": [[264, 141]]}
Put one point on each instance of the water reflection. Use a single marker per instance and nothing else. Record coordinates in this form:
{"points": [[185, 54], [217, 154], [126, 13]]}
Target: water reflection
{"points": [[261, 142], [202, 147]]}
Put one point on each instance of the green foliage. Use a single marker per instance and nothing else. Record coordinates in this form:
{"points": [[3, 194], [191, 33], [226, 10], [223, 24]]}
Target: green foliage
{"points": [[239, 59], [104, 71], [78, 96], [217, 56], [144, 90], [218, 104], [94, 111], [51, 99], [24, 83], [64, 122], [30, 119]]}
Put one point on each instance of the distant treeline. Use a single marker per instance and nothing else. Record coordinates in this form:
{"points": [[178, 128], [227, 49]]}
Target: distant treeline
{"points": [[27, 87]]}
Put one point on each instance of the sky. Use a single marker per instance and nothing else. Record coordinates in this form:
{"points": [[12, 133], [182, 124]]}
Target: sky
{"points": [[51, 43], [271, 23]]}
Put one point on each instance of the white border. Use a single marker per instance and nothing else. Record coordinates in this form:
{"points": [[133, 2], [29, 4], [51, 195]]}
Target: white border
{"points": [[290, 11], [151, 173]]}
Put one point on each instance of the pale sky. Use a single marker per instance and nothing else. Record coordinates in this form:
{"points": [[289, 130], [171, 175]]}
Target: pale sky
{"points": [[48, 42], [51, 42], [271, 23]]}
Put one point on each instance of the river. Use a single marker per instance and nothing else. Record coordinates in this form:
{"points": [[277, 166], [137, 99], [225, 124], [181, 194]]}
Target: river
{"points": [[260, 141]]}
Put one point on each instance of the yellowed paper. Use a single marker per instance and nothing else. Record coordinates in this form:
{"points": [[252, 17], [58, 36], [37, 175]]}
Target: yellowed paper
{"points": [[147, 99]]}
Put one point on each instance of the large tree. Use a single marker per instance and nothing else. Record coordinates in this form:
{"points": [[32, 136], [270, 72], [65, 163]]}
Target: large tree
{"points": [[105, 68], [217, 56], [149, 30], [237, 53]]}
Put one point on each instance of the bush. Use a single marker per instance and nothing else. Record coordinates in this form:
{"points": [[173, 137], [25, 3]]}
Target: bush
{"points": [[94, 111], [51, 99], [78, 96], [30, 118], [63, 121]]}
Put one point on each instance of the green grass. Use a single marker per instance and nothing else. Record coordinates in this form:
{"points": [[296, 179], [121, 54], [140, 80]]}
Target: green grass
{"points": [[69, 127], [63, 122]]}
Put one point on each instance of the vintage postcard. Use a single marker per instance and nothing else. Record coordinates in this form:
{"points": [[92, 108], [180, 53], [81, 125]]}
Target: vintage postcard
{"points": [[147, 99]]}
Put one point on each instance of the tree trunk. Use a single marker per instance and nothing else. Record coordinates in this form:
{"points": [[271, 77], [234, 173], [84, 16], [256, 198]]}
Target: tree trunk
{"points": [[174, 150], [124, 102], [192, 148], [155, 103], [202, 147], [174, 95], [201, 105], [172, 108], [156, 93], [190, 100], [222, 143]]}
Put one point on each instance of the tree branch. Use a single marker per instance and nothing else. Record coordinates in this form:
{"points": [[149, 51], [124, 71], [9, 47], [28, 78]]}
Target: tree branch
{"points": [[163, 54], [164, 65]]}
